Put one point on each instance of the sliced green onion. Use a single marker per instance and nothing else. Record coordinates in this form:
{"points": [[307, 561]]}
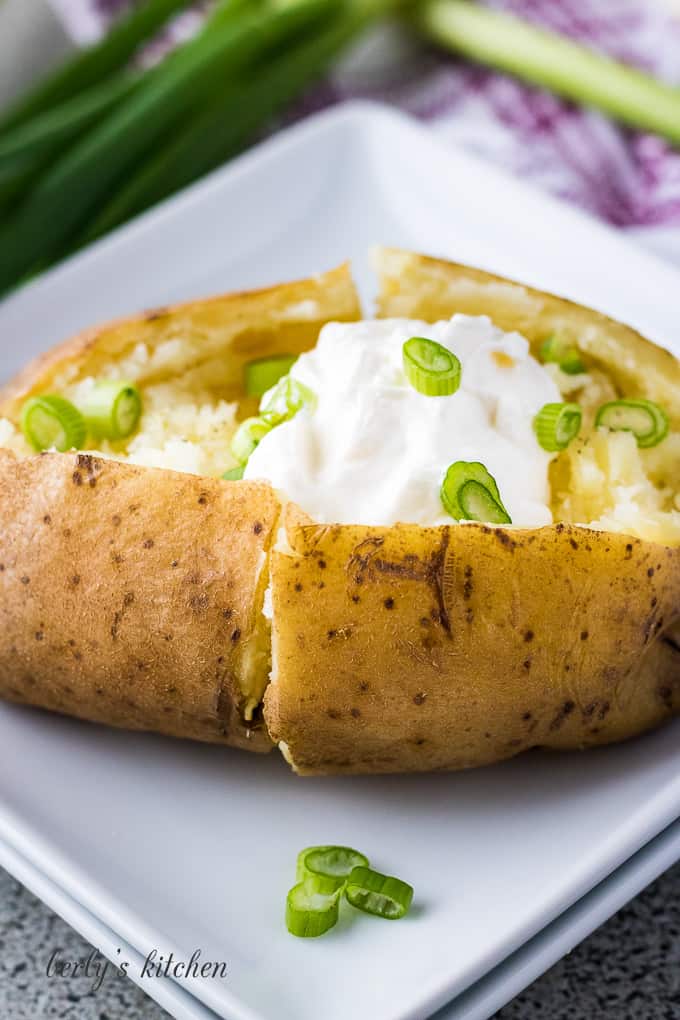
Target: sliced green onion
{"points": [[430, 368], [556, 425], [325, 868], [287, 398], [556, 351], [247, 436], [308, 913], [470, 493], [112, 409], [234, 474], [646, 420], [51, 422], [378, 894], [264, 373]]}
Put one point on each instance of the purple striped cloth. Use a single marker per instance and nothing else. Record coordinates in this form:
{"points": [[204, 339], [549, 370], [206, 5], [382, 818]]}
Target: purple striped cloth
{"points": [[628, 179]]}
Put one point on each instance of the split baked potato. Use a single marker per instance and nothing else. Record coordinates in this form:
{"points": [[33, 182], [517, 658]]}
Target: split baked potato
{"points": [[138, 595]]}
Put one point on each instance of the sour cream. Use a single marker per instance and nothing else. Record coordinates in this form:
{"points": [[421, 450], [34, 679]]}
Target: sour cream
{"points": [[375, 451]]}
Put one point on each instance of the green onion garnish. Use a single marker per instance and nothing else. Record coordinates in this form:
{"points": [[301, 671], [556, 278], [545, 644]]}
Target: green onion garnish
{"points": [[264, 373], [309, 913], [470, 493], [51, 422], [557, 351], [646, 420], [112, 409], [325, 869], [247, 436], [287, 398], [378, 894], [234, 474], [556, 425], [430, 368]]}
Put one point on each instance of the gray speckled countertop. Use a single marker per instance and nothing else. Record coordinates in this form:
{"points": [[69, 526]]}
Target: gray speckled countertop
{"points": [[629, 969]]}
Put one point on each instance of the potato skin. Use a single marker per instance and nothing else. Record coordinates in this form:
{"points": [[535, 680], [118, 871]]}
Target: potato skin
{"points": [[127, 594], [411, 649]]}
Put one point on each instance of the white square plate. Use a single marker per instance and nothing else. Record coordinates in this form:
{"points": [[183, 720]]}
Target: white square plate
{"points": [[177, 846]]}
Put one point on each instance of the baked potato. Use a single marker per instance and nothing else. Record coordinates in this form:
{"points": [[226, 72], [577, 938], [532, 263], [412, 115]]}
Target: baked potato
{"points": [[136, 595]]}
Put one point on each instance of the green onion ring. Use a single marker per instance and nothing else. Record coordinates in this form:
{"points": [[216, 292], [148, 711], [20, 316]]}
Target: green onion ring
{"points": [[646, 420], [431, 368], [470, 493], [247, 436], [381, 895], [234, 474], [287, 398], [310, 914], [51, 422], [112, 409], [325, 868], [556, 425], [261, 375], [555, 350]]}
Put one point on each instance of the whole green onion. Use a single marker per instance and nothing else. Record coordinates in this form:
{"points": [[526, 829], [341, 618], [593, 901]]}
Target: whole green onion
{"points": [[470, 493], [94, 64], [646, 420], [556, 425], [51, 422], [112, 409], [381, 895], [431, 369], [509, 44]]}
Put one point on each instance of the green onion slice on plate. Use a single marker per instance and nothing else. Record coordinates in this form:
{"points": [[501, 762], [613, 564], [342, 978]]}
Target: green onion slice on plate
{"points": [[325, 869], [51, 422], [112, 409], [556, 425], [558, 351], [470, 493], [378, 894], [264, 373], [646, 420], [287, 398], [309, 913], [247, 436], [430, 368], [234, 474]]}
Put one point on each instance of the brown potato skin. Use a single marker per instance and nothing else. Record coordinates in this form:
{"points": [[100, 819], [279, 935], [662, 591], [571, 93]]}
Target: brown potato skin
{"points": [[411, 649], [127, 594]]}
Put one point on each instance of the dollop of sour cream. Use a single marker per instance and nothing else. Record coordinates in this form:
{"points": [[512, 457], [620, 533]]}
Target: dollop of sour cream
{"points": [[375, 451]]}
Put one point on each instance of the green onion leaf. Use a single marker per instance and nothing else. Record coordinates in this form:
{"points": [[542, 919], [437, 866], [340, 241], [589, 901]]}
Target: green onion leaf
{"points": [[646, 420], [287, 398], [50, 422], [264, 373], [112, 409], [431, 368], [381, 895], [234, 474], [556, 425], [308, 913], [247, 436], [470, 493], [325, 868], [557, 351]]}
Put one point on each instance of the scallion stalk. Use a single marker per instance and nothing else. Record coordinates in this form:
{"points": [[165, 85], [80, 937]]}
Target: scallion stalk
{"points": [[510, 44]]}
